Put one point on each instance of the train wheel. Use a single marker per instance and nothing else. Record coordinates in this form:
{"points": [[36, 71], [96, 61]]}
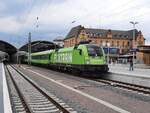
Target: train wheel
{"points": [[76, 72]]}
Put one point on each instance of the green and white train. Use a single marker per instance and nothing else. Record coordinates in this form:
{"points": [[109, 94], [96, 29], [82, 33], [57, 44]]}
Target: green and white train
{"points": [[79, 58]]}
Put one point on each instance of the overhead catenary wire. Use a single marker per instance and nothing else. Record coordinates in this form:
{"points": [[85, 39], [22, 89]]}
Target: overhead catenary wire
{"points": [[25, 20], [41, 10], [122, 22], [120, 13], [112, 9], [28, 13], [32, 6]]}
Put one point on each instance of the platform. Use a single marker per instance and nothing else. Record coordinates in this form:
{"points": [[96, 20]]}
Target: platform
{"points": [[1, 91], [124, 69], [120, 72], [5, 106]]}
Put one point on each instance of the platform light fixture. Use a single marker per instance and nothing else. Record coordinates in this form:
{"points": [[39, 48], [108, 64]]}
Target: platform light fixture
{"points": [[108, 45], [134, 44]]}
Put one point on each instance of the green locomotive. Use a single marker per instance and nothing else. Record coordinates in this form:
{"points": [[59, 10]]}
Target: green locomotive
{"points": [[79, 58]]}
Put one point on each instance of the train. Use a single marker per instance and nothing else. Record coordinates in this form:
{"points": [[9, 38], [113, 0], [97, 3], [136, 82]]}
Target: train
{"points": [[79, 58], [4, 57]]}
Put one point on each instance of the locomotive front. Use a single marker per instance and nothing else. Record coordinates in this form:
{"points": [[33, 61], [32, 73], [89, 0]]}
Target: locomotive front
{"points": [[95, 59]]}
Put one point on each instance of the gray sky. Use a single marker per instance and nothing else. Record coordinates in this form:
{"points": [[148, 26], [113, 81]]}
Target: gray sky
{"points": [[19, 17]]}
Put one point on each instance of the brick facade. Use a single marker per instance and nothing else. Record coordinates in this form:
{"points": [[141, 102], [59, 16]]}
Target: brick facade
{"points": [[116, 38]]}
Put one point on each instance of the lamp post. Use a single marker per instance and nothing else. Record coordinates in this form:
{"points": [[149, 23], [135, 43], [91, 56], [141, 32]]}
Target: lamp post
{"points": [[17, 56], [29, 43], [29, 49], [134, 44], [108, 45]]}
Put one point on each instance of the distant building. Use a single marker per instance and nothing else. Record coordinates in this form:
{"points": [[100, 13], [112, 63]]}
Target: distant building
{"points": [[59, 42], [120, 41], [116, 38], [38, 46]]}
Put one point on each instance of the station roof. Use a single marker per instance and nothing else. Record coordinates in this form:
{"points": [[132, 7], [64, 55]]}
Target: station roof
{"points": [[39, 45], [7, 47], [117, 34]]}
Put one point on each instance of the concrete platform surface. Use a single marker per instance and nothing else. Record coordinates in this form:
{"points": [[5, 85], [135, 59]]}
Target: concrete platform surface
{"points": [[1, 90], [5, 105], [124, 69]]}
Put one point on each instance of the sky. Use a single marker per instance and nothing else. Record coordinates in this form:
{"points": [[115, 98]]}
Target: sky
{"points": [[50, 19]]}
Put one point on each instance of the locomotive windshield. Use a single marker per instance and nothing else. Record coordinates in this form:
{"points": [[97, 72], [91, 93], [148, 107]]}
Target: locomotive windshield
{"points": [[94, 50]]}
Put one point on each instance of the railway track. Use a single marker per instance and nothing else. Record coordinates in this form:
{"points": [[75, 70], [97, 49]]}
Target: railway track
{"points": [[123, 85], [28, 97]]}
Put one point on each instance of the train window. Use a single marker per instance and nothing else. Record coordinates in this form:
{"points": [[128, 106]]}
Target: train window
{"points": [[50, 56], [33, 57], [42, 57], [94, 50]]}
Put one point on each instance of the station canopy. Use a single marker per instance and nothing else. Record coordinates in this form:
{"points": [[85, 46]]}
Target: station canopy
{"points": [[37, 46], [7, 47]]}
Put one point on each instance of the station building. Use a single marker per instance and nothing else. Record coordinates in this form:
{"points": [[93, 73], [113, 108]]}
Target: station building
{"points": [[116, 38], [10, 53], [38, 46], [7, 50], [120, 41], [59, 42]]}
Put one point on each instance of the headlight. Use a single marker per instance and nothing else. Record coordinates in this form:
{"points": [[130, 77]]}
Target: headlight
{"points": [[87, 62]]}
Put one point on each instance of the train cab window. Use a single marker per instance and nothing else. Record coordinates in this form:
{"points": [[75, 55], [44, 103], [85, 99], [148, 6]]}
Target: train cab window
{"points": [[94, 50]]}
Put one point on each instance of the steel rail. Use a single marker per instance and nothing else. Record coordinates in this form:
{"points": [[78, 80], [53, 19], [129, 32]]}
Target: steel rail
{"points": [[115, 83], [64, 110], [129, 86], [24, 102]]}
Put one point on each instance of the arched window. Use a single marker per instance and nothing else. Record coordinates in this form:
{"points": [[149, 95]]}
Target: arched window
{"points": [[117, 43], [123, 44], [101, 42], [112, 43], [128, 44]]}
